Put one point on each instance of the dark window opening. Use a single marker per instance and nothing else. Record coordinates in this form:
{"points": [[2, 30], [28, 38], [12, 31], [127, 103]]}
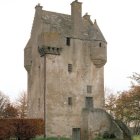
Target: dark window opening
{"points": [[69, 67], [69, 100], [68, 41], [89, 102], [49, 48], [76, 134], [89, 89], [100, 44], [38, 103]]}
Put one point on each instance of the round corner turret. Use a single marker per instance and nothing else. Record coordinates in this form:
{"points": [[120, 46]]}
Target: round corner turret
{"points": [[98, 53], [28, 56]]}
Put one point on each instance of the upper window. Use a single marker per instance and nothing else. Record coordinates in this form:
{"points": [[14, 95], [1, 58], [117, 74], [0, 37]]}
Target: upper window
{"points": [[69, 67], [38, 103], [69, 100], [100, 44], [89, 89], [89, 102], [68, 41]]}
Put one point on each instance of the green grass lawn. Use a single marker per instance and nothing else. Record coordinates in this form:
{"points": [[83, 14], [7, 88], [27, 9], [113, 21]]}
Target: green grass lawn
{"points": [[52, 139], [136, 137]]}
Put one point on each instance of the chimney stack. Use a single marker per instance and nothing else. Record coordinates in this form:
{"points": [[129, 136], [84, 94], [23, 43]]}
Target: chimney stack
{"points": [[76, 17]]}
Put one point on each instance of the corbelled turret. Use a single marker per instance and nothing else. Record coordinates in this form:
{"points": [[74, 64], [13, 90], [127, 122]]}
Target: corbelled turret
{"points": [[98, 48], [34, 34], [28, 56]]}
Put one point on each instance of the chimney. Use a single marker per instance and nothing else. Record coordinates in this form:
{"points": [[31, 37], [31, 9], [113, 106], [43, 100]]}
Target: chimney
{"points": [[76, 17], [86, 16], [38, 7], [37, 20]]}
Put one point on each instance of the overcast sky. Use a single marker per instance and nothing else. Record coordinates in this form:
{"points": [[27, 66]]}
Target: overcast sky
{"points": [[119, 20]]}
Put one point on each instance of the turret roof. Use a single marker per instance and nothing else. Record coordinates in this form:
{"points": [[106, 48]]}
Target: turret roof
{"points": [[99, 35]]}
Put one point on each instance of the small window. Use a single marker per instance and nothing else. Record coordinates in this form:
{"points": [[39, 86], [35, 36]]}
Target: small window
{"points": [[89, 89], [89, 102], [100, 44], [38, 103], [69, 67], [69, 100], [68, 41]]}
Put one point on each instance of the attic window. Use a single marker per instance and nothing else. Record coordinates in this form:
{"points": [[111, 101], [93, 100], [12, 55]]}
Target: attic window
{"points": [[68, 41], [100, 44], [69, 67]]}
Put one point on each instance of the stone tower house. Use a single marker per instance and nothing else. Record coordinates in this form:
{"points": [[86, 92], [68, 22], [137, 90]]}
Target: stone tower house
{"points": [[64, 59]]}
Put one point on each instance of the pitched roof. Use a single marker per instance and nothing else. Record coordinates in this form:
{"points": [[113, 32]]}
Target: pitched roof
{"points": [[58, 21], [63, 24], [99, 35]]}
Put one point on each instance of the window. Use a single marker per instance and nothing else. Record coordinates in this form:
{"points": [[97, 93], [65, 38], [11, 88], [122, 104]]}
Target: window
{"points": [[38, 103], [69, 67], [89, 89], [76, 134], [69, 100], [68, 41], [89, 102], [100, 44]]}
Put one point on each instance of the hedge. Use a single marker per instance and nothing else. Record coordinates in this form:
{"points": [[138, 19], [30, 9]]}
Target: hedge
{"points": [[23, 129]]}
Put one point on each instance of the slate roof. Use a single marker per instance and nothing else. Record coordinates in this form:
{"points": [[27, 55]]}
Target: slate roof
{"points": [[62, 23]]}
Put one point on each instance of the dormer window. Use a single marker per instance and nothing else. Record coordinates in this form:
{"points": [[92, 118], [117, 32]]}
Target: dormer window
{"points": [[68, 41]]}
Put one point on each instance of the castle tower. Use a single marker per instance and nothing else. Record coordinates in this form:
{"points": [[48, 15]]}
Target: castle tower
{"points": [[64, 59]]}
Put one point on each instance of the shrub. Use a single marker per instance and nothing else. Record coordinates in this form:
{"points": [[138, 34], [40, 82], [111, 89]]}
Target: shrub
{"points": [[6, 130], [108, 135], [21, 128], [52, 138], [112, 136]]}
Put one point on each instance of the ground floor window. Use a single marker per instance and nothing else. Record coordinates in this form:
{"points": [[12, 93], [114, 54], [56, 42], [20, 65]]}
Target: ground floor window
{"points": [[76, 134]]}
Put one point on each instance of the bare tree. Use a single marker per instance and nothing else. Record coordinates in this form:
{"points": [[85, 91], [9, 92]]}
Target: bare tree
{"points": [[110, 104], [135, 79], [21, 104], [4, 100], [10, 111]]}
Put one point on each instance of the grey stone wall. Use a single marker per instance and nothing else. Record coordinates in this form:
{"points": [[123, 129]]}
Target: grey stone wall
{"points": [[96, 122], [49, 79]]}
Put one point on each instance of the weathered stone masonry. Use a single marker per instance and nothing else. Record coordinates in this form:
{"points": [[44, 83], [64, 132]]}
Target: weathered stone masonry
{"points": [[64, 59]]}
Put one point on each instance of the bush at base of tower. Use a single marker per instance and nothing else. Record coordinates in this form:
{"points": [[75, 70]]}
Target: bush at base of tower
{"points": [[21, 128]]}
